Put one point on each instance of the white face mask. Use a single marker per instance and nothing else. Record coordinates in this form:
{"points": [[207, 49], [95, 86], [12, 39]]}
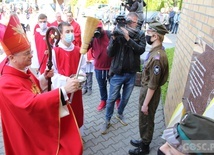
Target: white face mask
{"points": [[69, 37], [43, 26]]}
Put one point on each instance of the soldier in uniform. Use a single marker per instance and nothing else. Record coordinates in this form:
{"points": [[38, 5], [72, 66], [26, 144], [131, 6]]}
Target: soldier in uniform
{"points": [[155, 74]]}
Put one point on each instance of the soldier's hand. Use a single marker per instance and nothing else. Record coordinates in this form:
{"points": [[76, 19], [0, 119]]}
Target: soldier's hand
{"points": [[145, 109], [72, 85]]}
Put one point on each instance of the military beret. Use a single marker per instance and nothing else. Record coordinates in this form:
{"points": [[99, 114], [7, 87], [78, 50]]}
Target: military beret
{"points": [[191, 127], [197, 127], [158, 27]]}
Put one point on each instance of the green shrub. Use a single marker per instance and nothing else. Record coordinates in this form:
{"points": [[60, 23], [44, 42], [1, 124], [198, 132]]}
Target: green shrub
{"points": [[170, 54]]}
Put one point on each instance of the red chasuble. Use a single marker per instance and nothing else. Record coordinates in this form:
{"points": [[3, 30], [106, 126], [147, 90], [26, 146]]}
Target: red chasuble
{"points": [[77, 33], [54, 23], [30, 120], [41, 47], [67, 64]]}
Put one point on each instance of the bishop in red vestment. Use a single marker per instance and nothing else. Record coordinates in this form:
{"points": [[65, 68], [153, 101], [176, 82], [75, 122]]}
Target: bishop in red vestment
{"points": [[31, 122]]}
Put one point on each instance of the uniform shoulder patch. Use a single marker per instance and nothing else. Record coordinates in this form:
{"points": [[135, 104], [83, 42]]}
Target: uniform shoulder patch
{"points": [[156, 69], [157, 56]]}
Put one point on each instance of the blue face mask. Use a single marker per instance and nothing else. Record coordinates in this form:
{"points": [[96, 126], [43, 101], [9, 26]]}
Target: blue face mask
{"points": [[69, 37], [43, 26]]}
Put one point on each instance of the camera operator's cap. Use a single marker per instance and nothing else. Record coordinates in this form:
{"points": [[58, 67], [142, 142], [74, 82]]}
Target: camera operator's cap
{"points": [[100, 24], [158, 27], [13, 38], [191, 127]]}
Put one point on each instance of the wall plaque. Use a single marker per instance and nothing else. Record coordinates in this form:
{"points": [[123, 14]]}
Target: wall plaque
{"points": [[199, 89]]}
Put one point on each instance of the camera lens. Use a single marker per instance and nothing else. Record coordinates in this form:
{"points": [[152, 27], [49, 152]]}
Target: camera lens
{"points": [[97, 34]]}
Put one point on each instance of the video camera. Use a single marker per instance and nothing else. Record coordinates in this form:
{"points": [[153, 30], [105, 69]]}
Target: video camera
{"points": [[127, 2], [121, 21], [97, 33]]}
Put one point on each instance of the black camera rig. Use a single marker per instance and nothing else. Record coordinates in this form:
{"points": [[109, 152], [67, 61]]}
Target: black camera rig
{"points": [[127, 2], [121, 21]]}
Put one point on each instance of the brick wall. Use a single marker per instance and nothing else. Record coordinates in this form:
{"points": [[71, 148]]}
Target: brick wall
{"points": [[197, 20]]}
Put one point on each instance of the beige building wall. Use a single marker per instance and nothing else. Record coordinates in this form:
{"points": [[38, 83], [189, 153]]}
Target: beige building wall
{"points": [[197, 20]]}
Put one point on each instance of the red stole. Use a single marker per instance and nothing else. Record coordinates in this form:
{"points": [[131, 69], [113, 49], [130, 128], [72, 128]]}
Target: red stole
{"points": [[77, 33], [67, 64]]}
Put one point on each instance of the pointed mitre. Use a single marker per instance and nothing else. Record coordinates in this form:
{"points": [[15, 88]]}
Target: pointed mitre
{"points": [[13, 38]]}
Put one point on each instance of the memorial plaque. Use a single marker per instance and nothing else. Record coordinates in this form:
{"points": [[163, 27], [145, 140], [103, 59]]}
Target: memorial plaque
{"points": [[199, 90]]}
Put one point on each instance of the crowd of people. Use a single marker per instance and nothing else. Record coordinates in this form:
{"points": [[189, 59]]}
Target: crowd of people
{"points": [[170, 18], [38, 113]]}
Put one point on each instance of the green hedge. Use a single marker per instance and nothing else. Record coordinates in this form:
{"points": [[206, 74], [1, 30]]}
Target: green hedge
{"points": [[170, 54]]}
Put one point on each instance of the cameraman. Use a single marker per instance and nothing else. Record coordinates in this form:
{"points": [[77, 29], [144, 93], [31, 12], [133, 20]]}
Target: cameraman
{"points": [[137, 6], [125, 51]]}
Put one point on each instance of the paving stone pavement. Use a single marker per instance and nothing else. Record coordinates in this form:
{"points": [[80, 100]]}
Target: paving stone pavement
{"points": [[117, 140]]}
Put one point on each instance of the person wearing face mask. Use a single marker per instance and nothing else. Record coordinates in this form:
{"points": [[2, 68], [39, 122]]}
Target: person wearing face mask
{"points": [[125, 52], [66, 58], [154, 75], [39, 45]]}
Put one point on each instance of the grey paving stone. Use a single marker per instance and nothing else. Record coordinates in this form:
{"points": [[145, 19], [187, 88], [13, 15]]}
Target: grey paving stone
{"points": [[117, 140]]}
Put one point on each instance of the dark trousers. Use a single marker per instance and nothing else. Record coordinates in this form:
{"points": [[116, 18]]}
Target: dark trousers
{"points": [[171, 23], [125, 82], [89, 81], [146, 122], [102, 79], [175, 28]]}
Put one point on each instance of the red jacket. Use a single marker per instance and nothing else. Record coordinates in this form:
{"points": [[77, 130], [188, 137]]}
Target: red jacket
{"points": [[99, 45]]}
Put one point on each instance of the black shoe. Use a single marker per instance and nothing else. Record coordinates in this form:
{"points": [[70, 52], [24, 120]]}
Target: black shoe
{"points": [[84, 91], [136, 143], [139, 151]]}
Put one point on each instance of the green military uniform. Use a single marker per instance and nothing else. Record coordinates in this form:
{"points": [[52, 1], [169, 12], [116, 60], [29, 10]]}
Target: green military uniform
{"points": [[155, 74]]}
